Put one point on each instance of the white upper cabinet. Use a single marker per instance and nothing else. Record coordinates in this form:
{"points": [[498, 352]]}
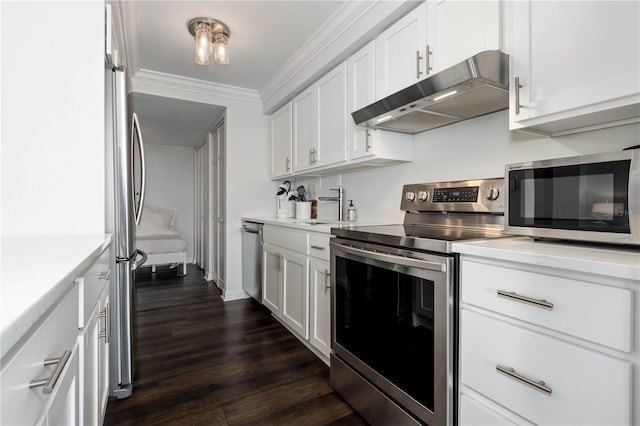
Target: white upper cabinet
{"points": [[400, 59], [371, 145], [457, 30], [305, 134], [320, 122], [281, 141], [434, 36], [332, 117], [576, 63]]}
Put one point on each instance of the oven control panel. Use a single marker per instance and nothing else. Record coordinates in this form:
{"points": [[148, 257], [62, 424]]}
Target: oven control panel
{"points": [[483, 195]]}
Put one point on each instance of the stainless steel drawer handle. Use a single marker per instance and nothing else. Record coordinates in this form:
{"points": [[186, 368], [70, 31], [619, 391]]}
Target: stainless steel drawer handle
{"points": [[104, 275], [327, 284], [106, 314], [50, 382], [515, 296], [517, 86], [539, 385], [318, 247]]}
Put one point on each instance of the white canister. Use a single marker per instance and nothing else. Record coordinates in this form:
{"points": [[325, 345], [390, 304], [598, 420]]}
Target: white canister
{"points": [[303, 210], [283, 208]]}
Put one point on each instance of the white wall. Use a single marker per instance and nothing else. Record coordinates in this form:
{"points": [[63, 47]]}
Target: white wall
{"points": [[52, 118], [170, 184], [477, 148]]}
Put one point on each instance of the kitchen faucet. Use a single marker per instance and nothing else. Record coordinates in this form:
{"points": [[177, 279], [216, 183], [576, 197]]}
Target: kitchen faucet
{"points": [[338, 199]]}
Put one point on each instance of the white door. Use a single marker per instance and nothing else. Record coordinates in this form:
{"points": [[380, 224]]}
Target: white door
{"points": [[281, 141], [271, 279], [305, 134], [331, 93], [361, 86], [320, 305], [569, 55], [222, 205], [400, 53], [295, 301]]}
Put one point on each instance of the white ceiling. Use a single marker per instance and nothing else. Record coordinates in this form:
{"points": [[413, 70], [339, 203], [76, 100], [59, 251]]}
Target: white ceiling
{"points": [[263, 36]]}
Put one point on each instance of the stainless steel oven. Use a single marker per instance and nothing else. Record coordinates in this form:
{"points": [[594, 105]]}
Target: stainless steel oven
{"points": [[395, 298]]}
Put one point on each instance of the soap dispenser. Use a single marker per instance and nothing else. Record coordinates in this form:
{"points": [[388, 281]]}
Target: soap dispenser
{"points": [[351, 212]]}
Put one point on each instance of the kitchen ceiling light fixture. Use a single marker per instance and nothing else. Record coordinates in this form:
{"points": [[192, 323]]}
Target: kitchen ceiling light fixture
{"points": [[211, 36]]}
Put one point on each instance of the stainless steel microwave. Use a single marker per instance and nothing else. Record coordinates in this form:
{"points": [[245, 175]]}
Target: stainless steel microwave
{"points": [[592, 198]]}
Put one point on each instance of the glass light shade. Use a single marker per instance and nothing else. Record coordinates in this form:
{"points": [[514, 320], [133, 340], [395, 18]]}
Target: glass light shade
{"points": [[203, 44], [221, 54]]}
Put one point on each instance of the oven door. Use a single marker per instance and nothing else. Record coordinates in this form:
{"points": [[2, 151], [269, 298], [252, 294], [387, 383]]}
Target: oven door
{"points": [[392, 322]]}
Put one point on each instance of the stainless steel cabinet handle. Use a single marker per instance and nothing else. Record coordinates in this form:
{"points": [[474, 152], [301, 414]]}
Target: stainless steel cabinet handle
{"points": [[539, 385], [278, 262], [310, 156], [427, 60], [515, 296], [327, 283], [50, 382], [106, 314], [314, 155], [318, 247], [288, 164], [104, 275], [367, 143], [418, 58], [517, 86]]}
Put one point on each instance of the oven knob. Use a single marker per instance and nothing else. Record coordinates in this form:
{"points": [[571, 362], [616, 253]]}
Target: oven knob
{"points": [[410, 195], [492, 193], [423, 195]]}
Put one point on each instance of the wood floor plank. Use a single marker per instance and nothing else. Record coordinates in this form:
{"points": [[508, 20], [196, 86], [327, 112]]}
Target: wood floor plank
{"points": [[200, 361]]}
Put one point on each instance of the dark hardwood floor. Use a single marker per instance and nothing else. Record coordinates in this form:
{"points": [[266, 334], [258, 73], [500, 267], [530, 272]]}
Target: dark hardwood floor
{"points": [[200, 361]]}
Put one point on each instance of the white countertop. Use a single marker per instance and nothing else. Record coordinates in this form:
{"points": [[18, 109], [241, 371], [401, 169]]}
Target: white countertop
{"points": [[35, 273], [309, 225], [613, 262]]}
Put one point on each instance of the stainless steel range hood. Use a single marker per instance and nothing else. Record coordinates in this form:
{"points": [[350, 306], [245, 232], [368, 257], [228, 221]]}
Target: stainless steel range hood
{"points": [[474, 87]]}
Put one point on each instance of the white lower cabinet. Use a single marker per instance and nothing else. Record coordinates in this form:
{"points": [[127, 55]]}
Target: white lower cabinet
{"points": [[320, 305], [543, 345], [295, 284], [51, 349], [295, 292]]}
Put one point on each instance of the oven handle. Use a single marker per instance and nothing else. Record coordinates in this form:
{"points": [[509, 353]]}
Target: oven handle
{"points": [[402, 260]]}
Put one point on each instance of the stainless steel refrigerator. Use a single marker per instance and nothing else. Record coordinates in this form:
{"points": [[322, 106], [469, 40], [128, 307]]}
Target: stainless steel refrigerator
{"points": [[125, 178]]}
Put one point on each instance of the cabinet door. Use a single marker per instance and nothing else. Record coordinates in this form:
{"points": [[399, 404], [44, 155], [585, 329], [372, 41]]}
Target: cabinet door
{"points": [[281, 141], [573, 59], [457, 30], [88, 347], [400, 53], [305, 134], [271, 281], [104, 336], [361, 86], [295, 301], [331, 92], [320, 306]]}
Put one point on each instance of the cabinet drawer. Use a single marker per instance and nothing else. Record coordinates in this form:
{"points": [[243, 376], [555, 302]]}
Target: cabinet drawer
{"points": [[586, 387], [319, 246], [24, 405], [578, 306], [287, 238], [475, 413], [91, 286]]}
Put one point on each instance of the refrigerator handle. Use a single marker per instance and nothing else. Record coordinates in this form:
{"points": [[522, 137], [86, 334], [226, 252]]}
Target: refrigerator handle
{"points": [[136, 126], [136, 264]]}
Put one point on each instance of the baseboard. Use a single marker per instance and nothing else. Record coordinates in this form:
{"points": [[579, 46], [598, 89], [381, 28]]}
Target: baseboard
{"points": [[227, 296]]}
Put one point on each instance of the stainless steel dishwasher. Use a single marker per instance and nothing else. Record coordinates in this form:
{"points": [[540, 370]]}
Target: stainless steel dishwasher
{"points": [[252, 259]]}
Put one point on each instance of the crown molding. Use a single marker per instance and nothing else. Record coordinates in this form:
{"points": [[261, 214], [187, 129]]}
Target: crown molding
{"points": [[148, 81], [353, 25]]}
